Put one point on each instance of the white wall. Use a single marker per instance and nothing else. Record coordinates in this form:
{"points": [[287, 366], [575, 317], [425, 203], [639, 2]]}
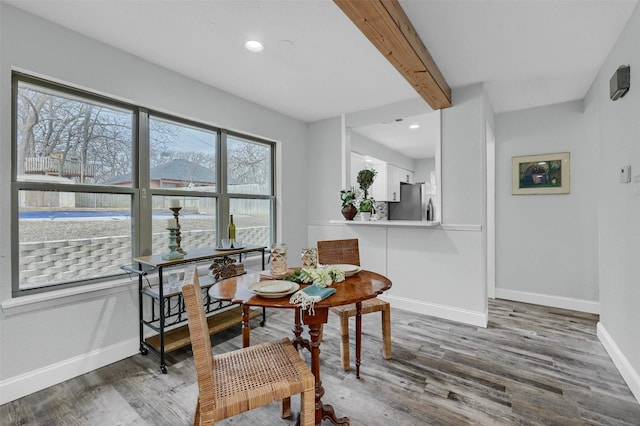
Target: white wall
{"points": [[324, 163], [44, 343], [439, 271], [462, 157], [424, 167], [363, 145], [547, 245], [618, 129]]}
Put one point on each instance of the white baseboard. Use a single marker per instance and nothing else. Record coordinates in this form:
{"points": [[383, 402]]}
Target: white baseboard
{"points": [[547, 300], [33, 381], [478, 319], [623, 365]]}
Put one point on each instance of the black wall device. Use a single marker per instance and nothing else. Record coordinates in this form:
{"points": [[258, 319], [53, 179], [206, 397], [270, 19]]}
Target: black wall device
{"points": [[620, 82]]}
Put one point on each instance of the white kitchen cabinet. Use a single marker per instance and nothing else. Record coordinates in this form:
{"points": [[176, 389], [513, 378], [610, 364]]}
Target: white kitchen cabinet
{"points": [[360, 162], [379, 188], [405, 175], [396, 175], [386, 185], [390, 178]]}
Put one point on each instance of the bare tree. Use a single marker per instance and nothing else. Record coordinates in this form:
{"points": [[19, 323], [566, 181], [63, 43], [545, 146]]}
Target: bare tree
{"points": [[99, 140], [92, 136], [249, 162]]}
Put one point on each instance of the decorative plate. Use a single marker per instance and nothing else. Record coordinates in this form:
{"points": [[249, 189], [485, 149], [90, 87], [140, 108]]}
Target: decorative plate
{"points": [[348, 269], [273, 288]]}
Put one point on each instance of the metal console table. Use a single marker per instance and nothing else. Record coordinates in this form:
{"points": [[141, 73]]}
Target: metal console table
{"points": [[170, 306]]}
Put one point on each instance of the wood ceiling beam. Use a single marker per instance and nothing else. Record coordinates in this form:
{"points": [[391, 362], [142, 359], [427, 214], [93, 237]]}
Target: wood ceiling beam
{"points": [[386, 25]]}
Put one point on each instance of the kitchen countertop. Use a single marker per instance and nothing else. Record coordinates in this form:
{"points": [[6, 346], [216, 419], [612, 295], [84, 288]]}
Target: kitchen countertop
{"points": [[400, 223]]}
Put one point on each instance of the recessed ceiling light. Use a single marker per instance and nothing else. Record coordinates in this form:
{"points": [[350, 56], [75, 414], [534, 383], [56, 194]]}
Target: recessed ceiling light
{"points": [[254, 46], [414, 126]]}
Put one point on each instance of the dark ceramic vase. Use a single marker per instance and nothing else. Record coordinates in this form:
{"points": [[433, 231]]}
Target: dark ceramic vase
{"points": [[349, 212]]}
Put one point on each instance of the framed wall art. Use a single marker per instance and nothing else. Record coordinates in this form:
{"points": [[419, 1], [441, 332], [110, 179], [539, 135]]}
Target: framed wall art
{"points": [[541, 174]]}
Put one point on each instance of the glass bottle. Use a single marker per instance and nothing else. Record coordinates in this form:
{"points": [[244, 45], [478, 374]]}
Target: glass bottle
{"points": [[232, 231]]}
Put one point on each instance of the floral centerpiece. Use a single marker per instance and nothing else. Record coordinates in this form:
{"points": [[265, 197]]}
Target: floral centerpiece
{"points": [[319, 276]]}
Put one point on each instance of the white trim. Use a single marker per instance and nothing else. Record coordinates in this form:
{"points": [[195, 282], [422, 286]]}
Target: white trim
{"points": [[389, 223], [325, 223], [620, 360], [474, 228], [581, 305], [72, 295], [465, 316], [400, 223], [36, 380], [54, 298]]}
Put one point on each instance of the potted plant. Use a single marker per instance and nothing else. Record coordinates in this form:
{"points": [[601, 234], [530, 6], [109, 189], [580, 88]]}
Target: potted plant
{"points": [[365, 208], [365, 180], [348, 198]]}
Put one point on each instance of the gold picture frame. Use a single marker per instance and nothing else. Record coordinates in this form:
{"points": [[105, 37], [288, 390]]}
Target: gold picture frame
{"points": [[541, 174]]}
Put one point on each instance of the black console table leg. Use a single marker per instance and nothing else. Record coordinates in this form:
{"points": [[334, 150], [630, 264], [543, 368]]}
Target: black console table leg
{"points": [[163, 366]]}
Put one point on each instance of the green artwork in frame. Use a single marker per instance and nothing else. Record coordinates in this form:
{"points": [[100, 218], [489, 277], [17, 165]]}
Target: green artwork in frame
{"points": [[541, 174]]}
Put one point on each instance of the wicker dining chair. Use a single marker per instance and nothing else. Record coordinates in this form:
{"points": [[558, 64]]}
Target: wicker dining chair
{"points": [[244, 379], [348, 252]]}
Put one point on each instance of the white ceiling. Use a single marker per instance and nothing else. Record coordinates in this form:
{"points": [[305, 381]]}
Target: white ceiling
{"points": [[317, 64], [396, 133]]}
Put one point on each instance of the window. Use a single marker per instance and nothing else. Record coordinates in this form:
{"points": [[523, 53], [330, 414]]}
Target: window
{"points": [[78, 193], [181, 157], [249, 164], [250, 185], [70, 153], [182, 166], [55, 244], [197, 222], [65, 140]]}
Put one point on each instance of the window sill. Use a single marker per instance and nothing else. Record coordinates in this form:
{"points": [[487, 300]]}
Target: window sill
{"points": [[55, 298]]}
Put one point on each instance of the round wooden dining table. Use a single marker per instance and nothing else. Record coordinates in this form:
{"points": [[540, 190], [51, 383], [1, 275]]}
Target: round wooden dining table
{"points": [[354, 289]]}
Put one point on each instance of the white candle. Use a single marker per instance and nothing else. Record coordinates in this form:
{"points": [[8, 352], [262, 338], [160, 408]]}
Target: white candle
{"points": [[175, 203], [171, 223]]}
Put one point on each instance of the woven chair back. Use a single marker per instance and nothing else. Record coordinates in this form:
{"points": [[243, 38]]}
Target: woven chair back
{"points": [[200, 340], [339, 251]]}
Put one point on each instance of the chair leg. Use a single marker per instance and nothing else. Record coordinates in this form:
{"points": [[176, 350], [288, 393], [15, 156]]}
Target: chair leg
{"points": [[358, 337], [386, 332], [196, 417], [344, 341], [285, 408], [307, 408], [321, 332]]}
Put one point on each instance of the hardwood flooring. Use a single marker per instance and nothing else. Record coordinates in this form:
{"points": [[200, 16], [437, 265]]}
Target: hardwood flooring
{"points": [[533, 365]]}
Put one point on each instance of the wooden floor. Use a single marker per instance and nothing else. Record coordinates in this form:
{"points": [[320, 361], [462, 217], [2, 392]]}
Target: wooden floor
{"points": [[532, 366]]}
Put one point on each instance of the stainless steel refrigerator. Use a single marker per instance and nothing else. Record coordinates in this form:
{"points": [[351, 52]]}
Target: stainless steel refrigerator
{"points": [[412, 205]]}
